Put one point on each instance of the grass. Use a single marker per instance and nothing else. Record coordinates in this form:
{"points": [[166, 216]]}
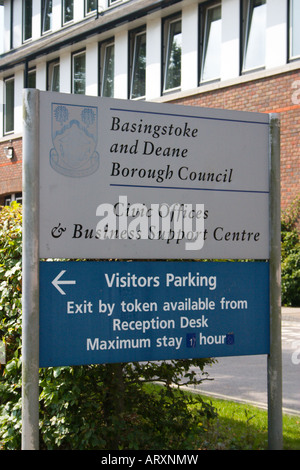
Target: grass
{"points": [[245, 427], [237, 426]]}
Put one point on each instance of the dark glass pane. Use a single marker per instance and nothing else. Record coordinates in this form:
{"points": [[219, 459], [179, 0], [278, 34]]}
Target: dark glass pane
{"points": [[47, 15], [79, 74], [91, 5], [68, 10], [9, 105], [32, 79], [138, 86], [27, 19]]}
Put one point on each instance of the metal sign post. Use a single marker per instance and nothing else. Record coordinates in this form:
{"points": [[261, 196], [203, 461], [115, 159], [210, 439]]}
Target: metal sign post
{"points": [[275, 356], [30, 274]]}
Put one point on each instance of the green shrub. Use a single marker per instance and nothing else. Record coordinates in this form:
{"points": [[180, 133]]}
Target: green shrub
{"points": [[97, 406], [10, 322], [290, 256]]}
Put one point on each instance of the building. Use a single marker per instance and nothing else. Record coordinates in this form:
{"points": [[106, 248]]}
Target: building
{"points": [[235, 54]]}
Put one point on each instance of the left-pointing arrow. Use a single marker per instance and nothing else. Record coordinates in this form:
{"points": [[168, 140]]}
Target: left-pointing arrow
{"points": [[57, 282]]}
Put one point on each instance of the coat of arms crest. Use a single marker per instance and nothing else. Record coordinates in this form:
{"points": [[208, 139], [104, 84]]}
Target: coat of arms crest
{"points": [[74, 137]]}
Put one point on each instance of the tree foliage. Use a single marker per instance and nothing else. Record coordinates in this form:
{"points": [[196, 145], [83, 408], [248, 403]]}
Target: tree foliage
{"points": [[98, 406]]}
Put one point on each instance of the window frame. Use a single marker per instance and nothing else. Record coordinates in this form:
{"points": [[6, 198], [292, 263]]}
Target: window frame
{"points": [[111, 3], [103, 47], [167, 24], [74, 55], [31, 72], [133, 37], [91, 12], [64, 21], [12, 106], [203, 41], [290, 55], [9, 198], [247, 14], [51, 65], [44, 9], [26, 22]]}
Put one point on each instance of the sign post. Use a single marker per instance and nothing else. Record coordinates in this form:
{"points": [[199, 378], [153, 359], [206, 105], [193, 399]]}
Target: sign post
{"points": [[112, 179], [275, 355], [30, 273]]}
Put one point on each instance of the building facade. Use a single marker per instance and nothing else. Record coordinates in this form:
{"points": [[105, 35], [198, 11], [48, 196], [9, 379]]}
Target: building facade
{"points": [[231, 54]]}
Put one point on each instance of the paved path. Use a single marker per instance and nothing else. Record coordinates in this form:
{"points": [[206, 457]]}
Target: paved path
{"points": [[244, 378]]}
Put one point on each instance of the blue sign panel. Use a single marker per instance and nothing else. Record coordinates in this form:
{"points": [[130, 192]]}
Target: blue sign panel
{"points": [[106, 312]]}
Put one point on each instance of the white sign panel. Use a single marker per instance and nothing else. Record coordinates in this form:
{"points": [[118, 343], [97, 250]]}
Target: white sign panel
{"points": [[125, 179]]}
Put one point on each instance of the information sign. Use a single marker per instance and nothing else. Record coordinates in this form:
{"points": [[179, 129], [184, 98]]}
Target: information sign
{"points": [[113, 179], [103, 312], [125, 179]]}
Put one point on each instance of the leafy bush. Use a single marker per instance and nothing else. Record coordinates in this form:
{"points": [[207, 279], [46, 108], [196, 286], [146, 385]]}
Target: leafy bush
{"points": [[97, 406], [109, 407], [10, 321], [290, 256]]}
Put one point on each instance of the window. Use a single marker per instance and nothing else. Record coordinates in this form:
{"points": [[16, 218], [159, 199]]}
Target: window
{"points": [[107, 61], [31, 80], [46, 15], [211, 37], [294, 36], [27, 19], [53, 75], [138, 64], [13, 197], [7, 200], [112, 2], [78, 82], [90, 6], [9, 103], [255, 33], [68, 11], [172, 69]]}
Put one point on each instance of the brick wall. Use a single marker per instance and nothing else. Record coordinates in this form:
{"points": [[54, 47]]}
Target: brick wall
{"points": [[10, 170], [272, 95]]}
